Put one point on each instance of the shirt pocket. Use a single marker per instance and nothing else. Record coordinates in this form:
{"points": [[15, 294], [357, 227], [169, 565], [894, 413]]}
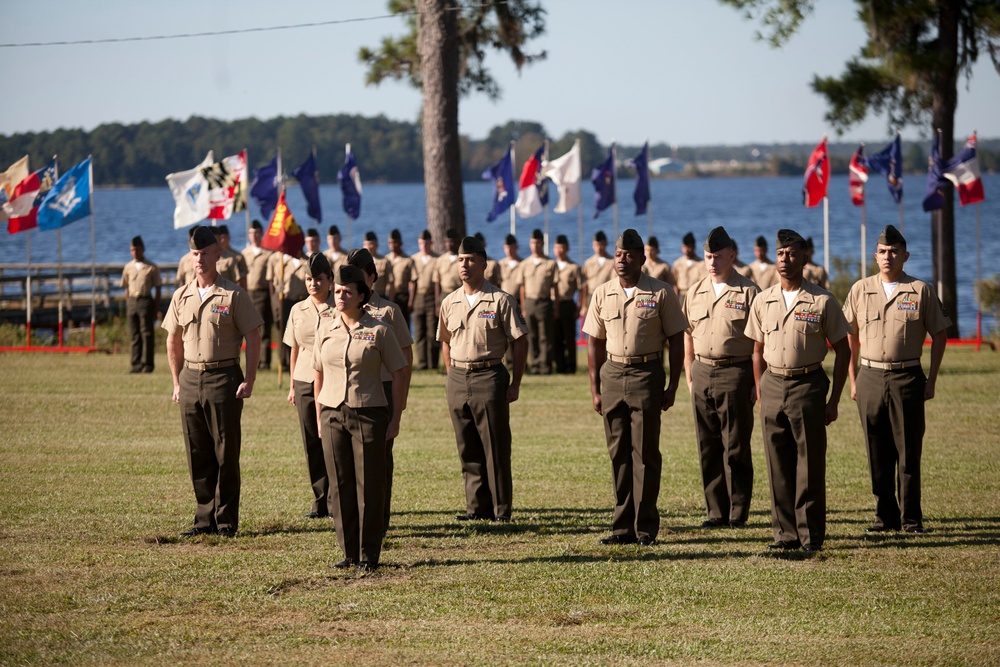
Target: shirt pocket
{"points": [[907, 325], [771, 334], [873, 324], [736, 318], [492, 336], [699, 321], [613, 324], [189, 326]]}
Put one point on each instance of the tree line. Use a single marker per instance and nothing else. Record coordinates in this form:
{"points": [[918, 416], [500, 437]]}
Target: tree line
{"points": [[142, 154]]}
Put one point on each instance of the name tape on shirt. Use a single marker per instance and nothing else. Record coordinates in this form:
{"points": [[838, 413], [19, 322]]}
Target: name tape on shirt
{"points": [[220, 308], [808, 315]]}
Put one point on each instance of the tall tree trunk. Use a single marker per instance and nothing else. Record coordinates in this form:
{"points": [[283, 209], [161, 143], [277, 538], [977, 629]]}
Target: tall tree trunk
{"points": [[945, 103], [437, 44]]}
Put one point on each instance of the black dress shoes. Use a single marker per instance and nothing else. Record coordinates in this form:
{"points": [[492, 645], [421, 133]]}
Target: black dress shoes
{"points": [[879, 528], [784, 545], [737, 524], [474, 517], [646, 541], [344, 564], [316, 515], [198, 531], [915, 529], [713, 523], [812, 548], [226, 531], [365, 566], [619, 539], [501, 519]]}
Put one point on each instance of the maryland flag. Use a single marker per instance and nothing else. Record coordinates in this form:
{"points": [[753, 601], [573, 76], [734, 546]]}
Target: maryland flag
{"points": [[227, 186], [283, 234]]}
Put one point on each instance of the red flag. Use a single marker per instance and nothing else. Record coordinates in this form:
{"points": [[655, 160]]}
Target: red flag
{"points": [[963, 171], [283, 234], [817, 176], [858, 176], [22, 209]]}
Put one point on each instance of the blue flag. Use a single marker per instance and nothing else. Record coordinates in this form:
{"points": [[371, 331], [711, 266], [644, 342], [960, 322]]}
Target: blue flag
{"points": [[502, 175], [889, 161], [350, 185], [641, 194], [264, 189], [69, 200], [308, 179], [603, 178], [936, 183]]}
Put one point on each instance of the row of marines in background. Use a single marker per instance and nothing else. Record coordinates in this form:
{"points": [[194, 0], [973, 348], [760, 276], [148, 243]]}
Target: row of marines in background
{"points": [[704, 342]]}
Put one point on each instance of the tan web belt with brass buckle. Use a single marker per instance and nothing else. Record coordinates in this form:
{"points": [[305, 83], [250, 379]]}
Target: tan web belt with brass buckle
{"points": [[793, 372], [210, 365], [640, 359], [890, 365], [475, 365], [723, 362]]}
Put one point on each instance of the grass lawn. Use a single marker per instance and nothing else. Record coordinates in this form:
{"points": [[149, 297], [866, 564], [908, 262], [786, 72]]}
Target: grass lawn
{"points": [[94, 489]]}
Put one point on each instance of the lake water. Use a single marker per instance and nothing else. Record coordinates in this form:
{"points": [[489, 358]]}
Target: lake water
{"points": [[747, 207]]}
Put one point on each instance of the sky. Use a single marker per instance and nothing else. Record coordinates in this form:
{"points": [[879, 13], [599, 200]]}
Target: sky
{"points": [[686, 72]]}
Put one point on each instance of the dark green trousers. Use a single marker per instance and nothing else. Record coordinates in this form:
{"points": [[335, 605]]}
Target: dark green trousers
{"points": [[891, 405], [631, 398], [564, 342], [425, 346], [141, 314], [541, 327], [723, 424], [793, 414], [312, 443], [210, 419]]}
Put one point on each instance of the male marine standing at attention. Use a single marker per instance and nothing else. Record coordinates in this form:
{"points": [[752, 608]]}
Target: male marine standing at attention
{"points": [[259, 288], [143, 286], [890, 315], [478, 321], [630, 319], [717, 362], [792, 323], [207, 322], [424, 306], [538, 279], [597, 270]]}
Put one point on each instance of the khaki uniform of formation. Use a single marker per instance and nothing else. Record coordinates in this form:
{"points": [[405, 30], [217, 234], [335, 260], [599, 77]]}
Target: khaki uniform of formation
{"points": [[353, 422], [721, 386], [597, 271], [658, 270], [259, 289], [300, 333], [231, 266], [478, 336], [817, 275], [383, 284], [569, 280], [538, 276], [890, 388], [141, 279], [337, 259], [687, 272], [425, 312], [635, 329], [288, 277], [793, 394], [213, 330], [510, 276], [765, 274], [403, 276]]}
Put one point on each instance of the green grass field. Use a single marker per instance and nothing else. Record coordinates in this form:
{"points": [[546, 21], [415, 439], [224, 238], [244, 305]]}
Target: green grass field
{"points": [[94, 490]]}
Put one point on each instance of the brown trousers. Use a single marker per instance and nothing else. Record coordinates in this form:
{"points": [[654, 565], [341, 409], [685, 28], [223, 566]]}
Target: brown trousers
{"points": [[631, 398], [425, 345], [564, 338], [541, 329], [723, 424], [210, 419], [141, 314], [305, 405], [793, 415], [477, 401]]}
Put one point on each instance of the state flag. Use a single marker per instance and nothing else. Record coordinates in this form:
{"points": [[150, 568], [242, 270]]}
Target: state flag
{"points": [[529, 197], [566, 172], [22, 209], [963, 171], [69, 200], [190, 191]]}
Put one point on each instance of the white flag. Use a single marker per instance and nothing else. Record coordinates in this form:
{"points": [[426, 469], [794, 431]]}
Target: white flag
{"points": [[190, 191], [566, 172], [9, 179]]}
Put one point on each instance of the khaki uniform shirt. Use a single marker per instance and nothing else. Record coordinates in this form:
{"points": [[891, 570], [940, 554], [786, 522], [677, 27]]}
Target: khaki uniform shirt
{"points": [[213, 329], [597, 273], [894, 329], [388, 313], [256, 264], [510, 275], [294, 284], [539, 276], [636, 325], [446, 273], [185, 270], [658, 271], [352, 359], [815, 273], [423, 266], [688, 271], [482, 331], [568, 280], [718, 323], [383, 266], [301, 333], [338, 261], [403, 272], [796, 337], [231, 266], [765, 275], [140, 278], [744, 270], [492, 273]]}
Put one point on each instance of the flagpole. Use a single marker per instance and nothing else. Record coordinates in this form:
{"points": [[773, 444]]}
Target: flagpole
{"points": [[545, 158], [579, 229], [649, 204], [59, 279], [246, 192], [27, 287], [826, 233], [93, 261], [510, 187], [864, 241], [614, 184], [979, 279], [901, 215], [350, 220]]}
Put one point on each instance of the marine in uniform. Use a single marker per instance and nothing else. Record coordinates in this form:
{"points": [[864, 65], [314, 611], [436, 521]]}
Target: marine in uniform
{"points": [[631, 318], [350, 351], [597, 270], [207, 322], [719, 369], [446, 269], [231, 265], [383, 286], [891, 314], [654, 266], [478, 322], [336, 253], [288, 280], [765, 274], [688, 268], [739, 266], [259, 288], [492, 273], [390, 314], [510, 277], [185, 265], [812, 271], [538, 279], [791, 323], [143, 288], [404, 277], [311, 243], [424, 305], [300, 336], [569, 281]]}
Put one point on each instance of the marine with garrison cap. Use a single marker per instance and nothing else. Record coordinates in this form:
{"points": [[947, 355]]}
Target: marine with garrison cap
{"points": [[792, 322], [890, 315], [718, 363], [630, 320]]}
